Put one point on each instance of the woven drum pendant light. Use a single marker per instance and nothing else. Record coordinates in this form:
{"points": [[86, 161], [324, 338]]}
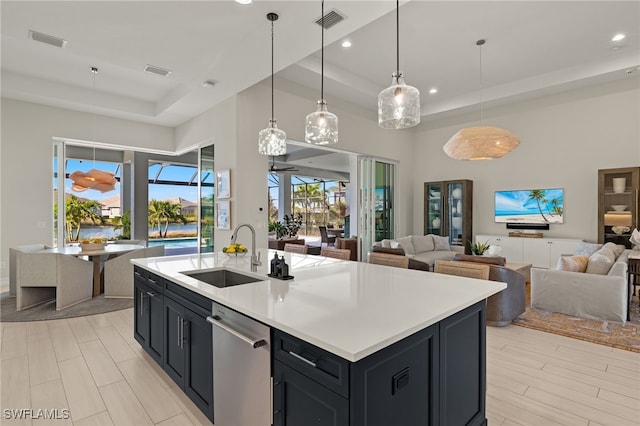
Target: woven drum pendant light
{"points": [[398, 104], [481, 142], [272, 141], [98, 180], [321, 126]]}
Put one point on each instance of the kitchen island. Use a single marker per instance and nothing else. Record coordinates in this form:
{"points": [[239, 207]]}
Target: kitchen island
{"points": [[351, 343]]}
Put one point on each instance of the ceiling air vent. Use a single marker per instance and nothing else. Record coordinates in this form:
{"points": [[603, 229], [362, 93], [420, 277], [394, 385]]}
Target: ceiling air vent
{"points": [[330, 19], [157, 70], [48, 39]]}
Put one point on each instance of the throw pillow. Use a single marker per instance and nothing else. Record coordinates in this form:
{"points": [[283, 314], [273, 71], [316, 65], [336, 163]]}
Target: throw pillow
{"points": [[587, 248], [601, 261], [395, 245], [605, 254], [422, 243], [441, 243], [406, 244], [573, 263], [385, 243], [617, 249]]}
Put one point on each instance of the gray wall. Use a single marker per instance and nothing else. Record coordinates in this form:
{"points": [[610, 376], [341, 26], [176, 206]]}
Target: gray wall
{"points": [[26, 163], [565, 139]]}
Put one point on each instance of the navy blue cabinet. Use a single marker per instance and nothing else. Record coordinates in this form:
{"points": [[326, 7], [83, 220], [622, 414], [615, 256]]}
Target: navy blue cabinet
{"points": [[436, 376], [189, 345], [148, 303]]}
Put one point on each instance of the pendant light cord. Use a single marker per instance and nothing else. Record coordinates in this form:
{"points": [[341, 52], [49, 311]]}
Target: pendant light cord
{"points": [[322, 53], [398, 39], [479, 43], [94, 71], [272, 111]]}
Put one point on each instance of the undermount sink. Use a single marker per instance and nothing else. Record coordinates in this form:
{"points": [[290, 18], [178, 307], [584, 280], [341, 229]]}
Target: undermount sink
{"points": [[222, 278]]}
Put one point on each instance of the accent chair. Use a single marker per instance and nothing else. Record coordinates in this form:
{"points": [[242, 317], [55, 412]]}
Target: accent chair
{"points": [[118, 272], [41, 277]]}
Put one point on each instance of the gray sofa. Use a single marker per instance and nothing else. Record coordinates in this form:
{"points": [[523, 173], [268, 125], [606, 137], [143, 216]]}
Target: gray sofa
{"points": [[424, 248], [583, 294]]}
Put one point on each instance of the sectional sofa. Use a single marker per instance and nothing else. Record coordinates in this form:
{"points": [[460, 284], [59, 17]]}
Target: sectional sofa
{"points": [[424, 248]]}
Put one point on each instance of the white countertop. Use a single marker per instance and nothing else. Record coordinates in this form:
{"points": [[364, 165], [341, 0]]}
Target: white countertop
{"points": [[351, 309]]}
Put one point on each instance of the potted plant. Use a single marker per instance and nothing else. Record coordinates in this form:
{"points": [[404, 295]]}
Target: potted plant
{"points": [[278, 229], [479, 248], [292, 224]]}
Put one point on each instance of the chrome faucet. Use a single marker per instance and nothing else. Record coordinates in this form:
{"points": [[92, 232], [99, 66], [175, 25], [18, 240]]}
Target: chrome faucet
{"points": [[255, 259]]}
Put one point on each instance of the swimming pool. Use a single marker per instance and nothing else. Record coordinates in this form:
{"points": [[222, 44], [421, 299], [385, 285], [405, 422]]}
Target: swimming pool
{"points": [[171, 243]]}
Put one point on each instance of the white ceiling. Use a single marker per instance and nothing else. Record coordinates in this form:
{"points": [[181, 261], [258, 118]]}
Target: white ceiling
{"points": [[532, 48]]}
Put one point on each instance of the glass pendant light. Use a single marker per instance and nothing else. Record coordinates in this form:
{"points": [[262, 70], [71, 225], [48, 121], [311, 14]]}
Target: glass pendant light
{"points": [[321, 126], [481, 142], [272, 141], [398, 104]]}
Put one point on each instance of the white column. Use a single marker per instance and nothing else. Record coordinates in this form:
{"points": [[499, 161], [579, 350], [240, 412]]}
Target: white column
{"points": [[284, 195]]}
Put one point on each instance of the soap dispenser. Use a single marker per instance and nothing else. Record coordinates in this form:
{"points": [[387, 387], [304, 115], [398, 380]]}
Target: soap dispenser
{"points": [[284, 269], [273, 271]]}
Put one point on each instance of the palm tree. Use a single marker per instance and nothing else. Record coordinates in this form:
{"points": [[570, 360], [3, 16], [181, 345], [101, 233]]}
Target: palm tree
{"points": [[123, 222], [539, 196], [164, 212], [78, 211], [172, 214], [556, 209]]}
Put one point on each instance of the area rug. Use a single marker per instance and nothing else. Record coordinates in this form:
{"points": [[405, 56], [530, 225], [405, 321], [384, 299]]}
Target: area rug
{"points": [[47, 311], [606, 333]]}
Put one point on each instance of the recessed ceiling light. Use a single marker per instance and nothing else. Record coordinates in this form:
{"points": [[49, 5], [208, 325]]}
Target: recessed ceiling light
{"points": [[618, 37], [433, 90], [346, 43], [244, 1], [208, 83]]}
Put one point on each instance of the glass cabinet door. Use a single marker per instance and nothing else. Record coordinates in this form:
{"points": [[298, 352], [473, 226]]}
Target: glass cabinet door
{"points": [[448, 211], [455, 217], [434, 222]]}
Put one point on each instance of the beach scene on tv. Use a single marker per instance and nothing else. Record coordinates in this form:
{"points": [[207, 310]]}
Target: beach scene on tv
{"points": [[530, 206]]}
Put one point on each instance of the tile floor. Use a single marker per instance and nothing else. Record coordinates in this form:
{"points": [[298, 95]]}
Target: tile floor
{"points": [[93, 367]]}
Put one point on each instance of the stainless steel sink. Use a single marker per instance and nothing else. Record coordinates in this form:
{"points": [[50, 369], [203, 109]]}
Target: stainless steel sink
{"points": [[222, 278]]}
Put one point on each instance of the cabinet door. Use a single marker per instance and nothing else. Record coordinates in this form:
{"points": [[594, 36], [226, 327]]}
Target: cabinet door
{"points": [[156, 326], [536, 252], [198, 376], [455, 218], [433, 208], [298, 400], [558, 248], [141, 314], [462, 367], [511, 247], [174, 353]]}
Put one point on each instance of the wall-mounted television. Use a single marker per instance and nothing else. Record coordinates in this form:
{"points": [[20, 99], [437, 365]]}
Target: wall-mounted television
{"points": [[535, 206]]}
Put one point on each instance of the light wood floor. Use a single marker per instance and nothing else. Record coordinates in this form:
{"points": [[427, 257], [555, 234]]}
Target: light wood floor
{"points": [[93, 367]]}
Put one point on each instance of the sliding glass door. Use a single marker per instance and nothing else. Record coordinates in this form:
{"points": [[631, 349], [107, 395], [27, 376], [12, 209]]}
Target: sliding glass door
{"points": [[206, 189], [376, 218]]}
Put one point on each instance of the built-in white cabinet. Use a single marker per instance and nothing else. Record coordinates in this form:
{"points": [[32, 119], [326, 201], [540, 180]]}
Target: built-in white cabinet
{"points": [[540, 252]]}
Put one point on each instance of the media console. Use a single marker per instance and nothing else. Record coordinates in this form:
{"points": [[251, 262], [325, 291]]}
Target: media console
{"points": [[540, 252]]}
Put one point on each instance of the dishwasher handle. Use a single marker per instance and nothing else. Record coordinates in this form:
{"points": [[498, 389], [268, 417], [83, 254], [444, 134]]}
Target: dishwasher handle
{"points": [[215, 320]]}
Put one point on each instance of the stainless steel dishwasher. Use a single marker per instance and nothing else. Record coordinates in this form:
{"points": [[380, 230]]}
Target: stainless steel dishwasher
{"points": [[241, 369]]}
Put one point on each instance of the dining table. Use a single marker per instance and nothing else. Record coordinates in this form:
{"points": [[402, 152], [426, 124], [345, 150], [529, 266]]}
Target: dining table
{"points": [[94, 256], [335, 232]]}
